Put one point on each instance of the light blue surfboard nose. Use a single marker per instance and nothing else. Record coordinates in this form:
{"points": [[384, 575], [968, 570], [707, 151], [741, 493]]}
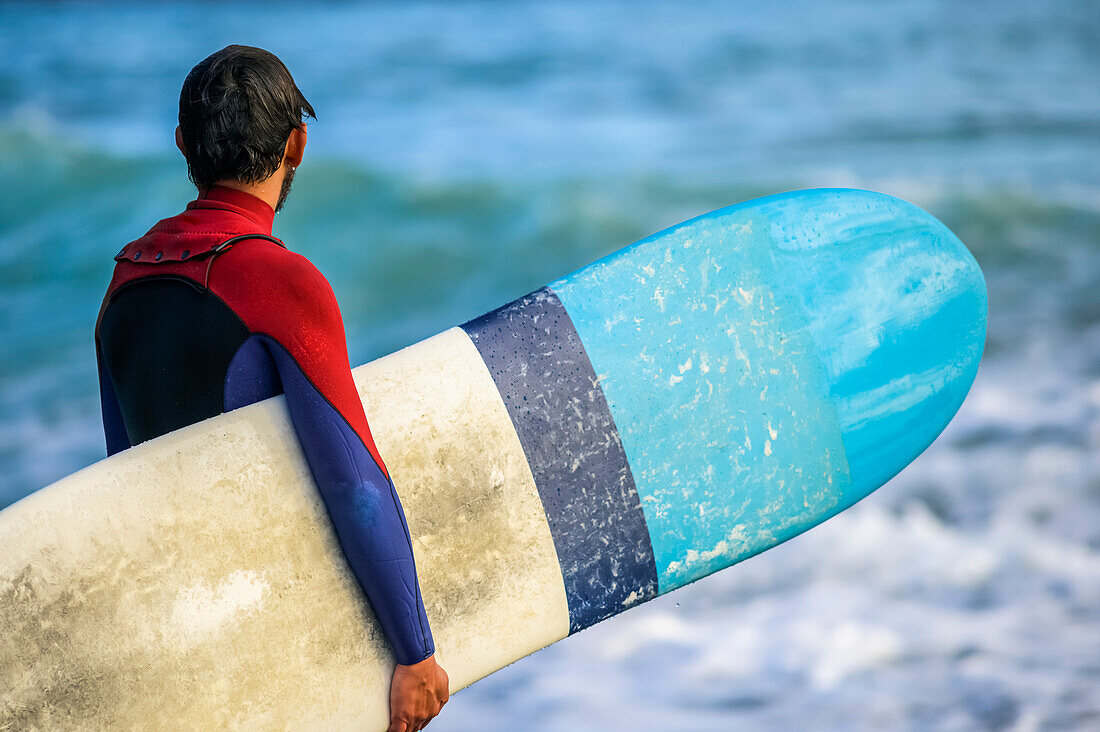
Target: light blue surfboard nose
{"points": [[769, 364], [896, 306]]}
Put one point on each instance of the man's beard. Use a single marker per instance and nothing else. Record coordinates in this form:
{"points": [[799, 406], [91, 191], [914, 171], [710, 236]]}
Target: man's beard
{"points": [[284, 191]]}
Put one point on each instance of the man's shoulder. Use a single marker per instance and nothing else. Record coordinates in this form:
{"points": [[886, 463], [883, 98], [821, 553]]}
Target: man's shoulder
{"points": [[273, 282], [259, 258]]}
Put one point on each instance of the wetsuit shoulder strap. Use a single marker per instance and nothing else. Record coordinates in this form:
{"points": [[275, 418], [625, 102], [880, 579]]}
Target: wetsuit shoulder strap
{"points": [[219, 248]]}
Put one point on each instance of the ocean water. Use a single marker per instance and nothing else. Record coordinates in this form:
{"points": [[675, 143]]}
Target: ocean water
{"points": [[468, 152]]}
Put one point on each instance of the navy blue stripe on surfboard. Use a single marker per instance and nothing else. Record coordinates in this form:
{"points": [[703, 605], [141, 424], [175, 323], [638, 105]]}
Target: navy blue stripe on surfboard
{"points": [[573, 447]]}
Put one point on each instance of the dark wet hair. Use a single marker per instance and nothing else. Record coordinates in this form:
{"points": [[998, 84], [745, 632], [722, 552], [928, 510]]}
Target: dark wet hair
{"points": [[237, 108]]}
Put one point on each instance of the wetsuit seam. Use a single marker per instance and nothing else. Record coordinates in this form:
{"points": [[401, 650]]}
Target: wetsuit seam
{"points": [[193, 284], [196, 231], [420, 600], [321, 393]]}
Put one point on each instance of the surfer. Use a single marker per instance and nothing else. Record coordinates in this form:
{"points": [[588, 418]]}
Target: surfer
{"points": [[208, 312]]}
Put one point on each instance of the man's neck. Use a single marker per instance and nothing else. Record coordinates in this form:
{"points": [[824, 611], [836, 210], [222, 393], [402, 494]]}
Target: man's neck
{"points": [[266, 190]]}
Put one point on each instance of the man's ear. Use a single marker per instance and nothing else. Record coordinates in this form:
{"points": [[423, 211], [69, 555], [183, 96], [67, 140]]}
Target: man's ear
{"points": [[295, 146], [179, 141]]}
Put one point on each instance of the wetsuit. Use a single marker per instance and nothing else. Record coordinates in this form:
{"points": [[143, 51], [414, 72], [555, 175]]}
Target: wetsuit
{"points": [[206, 313]]}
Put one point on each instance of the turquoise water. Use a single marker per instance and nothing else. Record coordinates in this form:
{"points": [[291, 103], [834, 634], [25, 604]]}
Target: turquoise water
{"points": [[469, 152]]}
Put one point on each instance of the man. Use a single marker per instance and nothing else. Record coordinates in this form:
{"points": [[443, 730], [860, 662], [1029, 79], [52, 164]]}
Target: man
{"points": [[208, 312]]}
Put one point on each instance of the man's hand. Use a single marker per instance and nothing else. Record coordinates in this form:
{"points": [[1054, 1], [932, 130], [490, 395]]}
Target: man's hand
{"points": [[417, 693]]}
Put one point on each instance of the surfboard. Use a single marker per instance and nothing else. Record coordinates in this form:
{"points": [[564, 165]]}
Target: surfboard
{"points": [[661, 414]]}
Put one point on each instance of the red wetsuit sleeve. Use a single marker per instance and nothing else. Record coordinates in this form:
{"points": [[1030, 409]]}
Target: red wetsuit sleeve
{"points": [[286, 301]]}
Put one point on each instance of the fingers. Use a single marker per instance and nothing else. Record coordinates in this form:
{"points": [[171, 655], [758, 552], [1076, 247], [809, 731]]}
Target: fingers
{"points": [[419, 724], [415, 724]]}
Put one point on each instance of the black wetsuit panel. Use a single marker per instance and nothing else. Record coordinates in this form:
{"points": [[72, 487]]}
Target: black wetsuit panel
{"points": [[167, 346]]}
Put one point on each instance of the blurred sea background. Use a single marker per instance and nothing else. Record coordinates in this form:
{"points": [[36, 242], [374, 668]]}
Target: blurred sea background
{"points": [[468, 152]]}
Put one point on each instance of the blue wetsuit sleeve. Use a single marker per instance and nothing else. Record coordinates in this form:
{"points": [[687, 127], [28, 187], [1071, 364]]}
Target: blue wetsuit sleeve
{"points": [[362, 502], [114, 430]]}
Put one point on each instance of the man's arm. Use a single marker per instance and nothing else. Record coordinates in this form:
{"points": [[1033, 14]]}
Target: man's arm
{"points": [[367, 515], [363, 505], [286, 302], [113, 428], [306, 340]]}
